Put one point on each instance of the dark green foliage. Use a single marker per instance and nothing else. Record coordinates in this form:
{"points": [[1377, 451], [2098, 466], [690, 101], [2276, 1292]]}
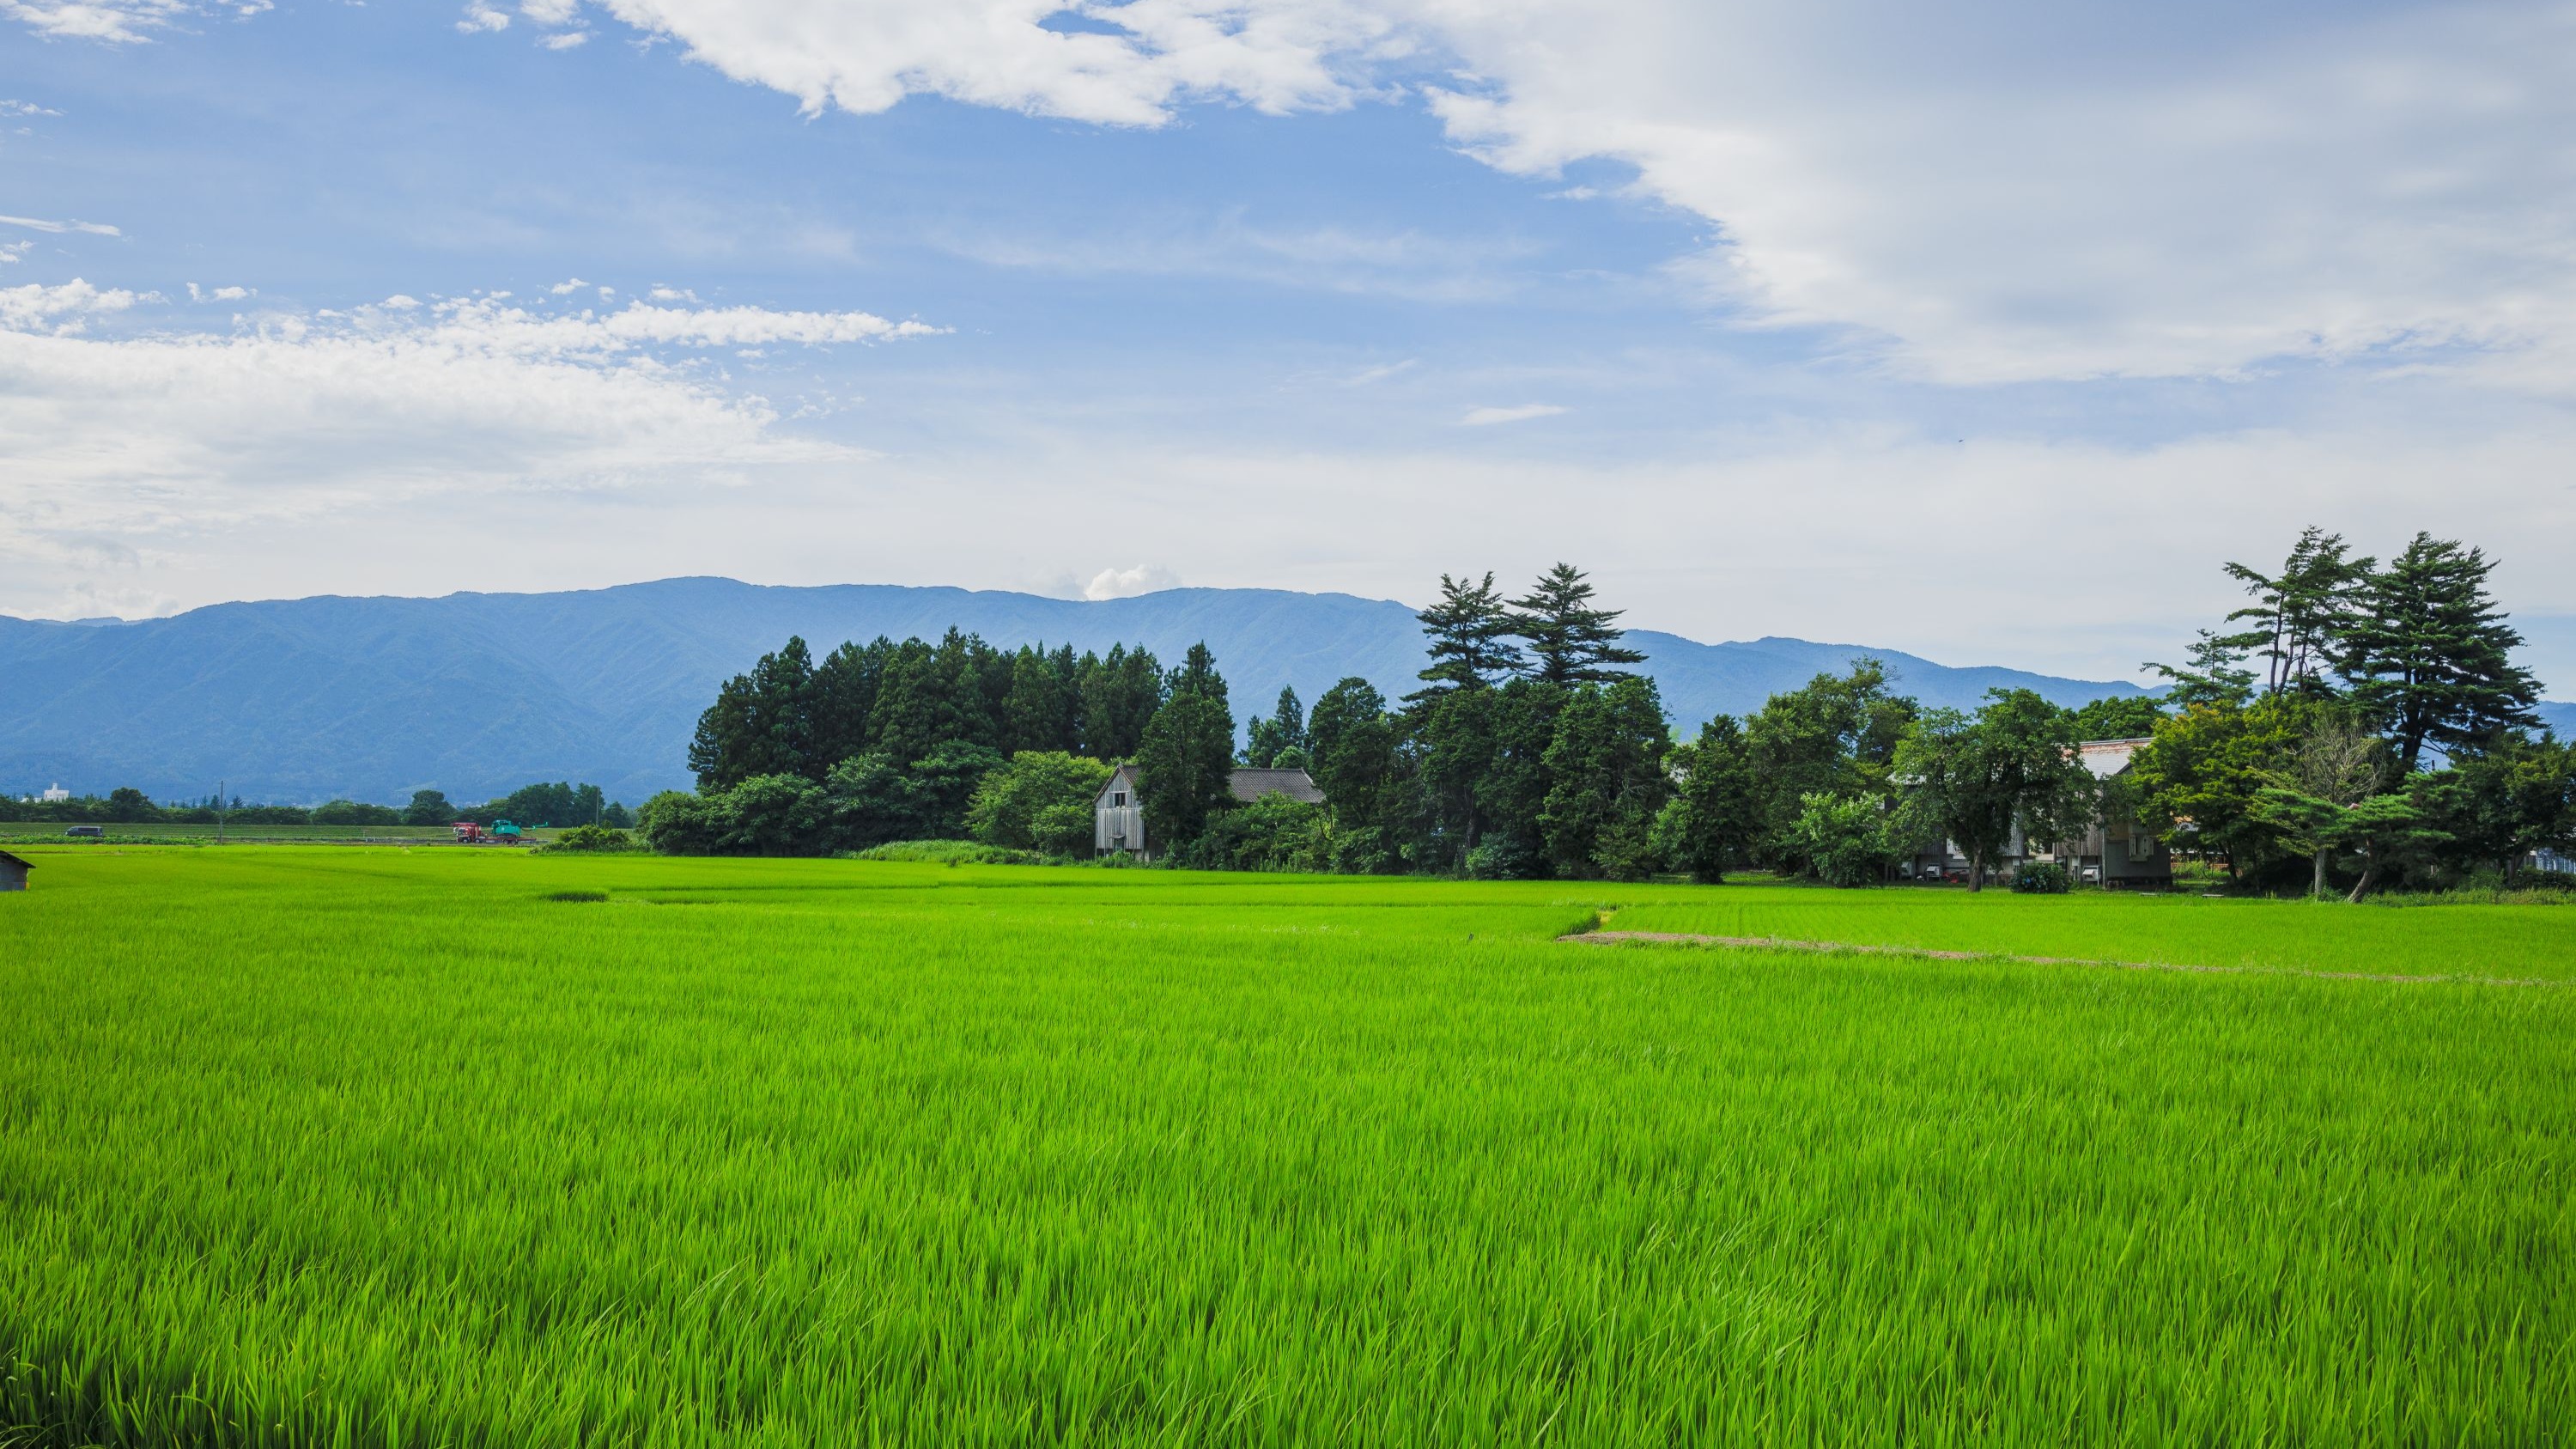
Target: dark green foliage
{"points": [[1120, 693], [1187, 755], [1043, 712], [841, 701], [760, 723], [1716, 810], [1273, 833], [1355, 764], [125, 805], [559, 804], [1570, 641], [2131, 717], [2041, 878], [943, 784], [1284, 730], [2302, 615], [351, 812], [1606, 765], [2499, 803], [591, 840], [428, 807], [1470, 631], [2430, 656]]}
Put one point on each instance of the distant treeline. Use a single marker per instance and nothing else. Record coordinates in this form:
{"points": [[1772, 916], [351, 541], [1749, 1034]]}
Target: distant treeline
{"points": [[557, 804], [1531, 750]]}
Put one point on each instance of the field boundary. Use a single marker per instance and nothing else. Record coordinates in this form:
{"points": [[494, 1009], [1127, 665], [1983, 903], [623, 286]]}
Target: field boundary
{"points": [[1831, 948]]}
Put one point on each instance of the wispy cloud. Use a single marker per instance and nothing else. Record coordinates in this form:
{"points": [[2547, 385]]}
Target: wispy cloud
{"points": [[141, 438], [36, 223], [119, 22], [1484, 417]]}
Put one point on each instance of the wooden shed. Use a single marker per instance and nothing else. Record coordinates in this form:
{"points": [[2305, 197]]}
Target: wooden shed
{"points": [[13, 872], [1118, 811]]}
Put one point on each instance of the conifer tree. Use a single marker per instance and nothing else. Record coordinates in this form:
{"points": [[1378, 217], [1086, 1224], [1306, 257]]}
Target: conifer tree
{"points": [[1470, 631], [2301, 615], [1119, 696], [1185, 762], [2429, 656], [759, 724], [1285, 729], [1571, 641]]}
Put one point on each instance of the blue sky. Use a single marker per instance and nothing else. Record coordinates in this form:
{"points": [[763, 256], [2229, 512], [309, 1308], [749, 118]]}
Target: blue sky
{"points": [[1985, 335]]}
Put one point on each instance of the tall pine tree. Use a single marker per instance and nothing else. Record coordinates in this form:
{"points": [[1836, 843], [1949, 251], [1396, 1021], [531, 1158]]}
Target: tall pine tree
{"points": [[1470, 631], [1570, 641], [2429, 656], [1186, 760]]}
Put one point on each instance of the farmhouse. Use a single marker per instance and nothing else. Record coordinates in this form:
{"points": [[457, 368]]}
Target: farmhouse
{"points": [[2116, 851], [13, 872], [1118, 811]]}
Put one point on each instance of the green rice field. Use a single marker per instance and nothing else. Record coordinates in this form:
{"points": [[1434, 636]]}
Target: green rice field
{"points": [[449, 1147]]}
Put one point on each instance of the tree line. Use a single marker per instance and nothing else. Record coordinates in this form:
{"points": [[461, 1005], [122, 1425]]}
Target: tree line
{"points": [[1532, 748], [558, 804]]}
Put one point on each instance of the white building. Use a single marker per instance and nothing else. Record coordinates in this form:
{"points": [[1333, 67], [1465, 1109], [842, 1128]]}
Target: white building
{"points": [[54, 794]]}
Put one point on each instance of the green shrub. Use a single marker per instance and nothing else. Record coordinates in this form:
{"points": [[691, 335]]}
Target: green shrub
{"points": [[2041, 877], [1845, 837], [594, 839], [949, 852]]}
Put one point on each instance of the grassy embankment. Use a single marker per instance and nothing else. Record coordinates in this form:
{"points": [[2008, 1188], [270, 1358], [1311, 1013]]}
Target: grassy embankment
{"points": [[387, 1147]]}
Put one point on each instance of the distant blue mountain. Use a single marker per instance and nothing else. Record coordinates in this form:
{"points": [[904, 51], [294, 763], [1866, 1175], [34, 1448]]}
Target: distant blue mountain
{"points": [[304, 699]]}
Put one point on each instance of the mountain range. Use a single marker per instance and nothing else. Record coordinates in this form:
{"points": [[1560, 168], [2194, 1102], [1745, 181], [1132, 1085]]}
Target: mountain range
{"points": [[301, 700]]}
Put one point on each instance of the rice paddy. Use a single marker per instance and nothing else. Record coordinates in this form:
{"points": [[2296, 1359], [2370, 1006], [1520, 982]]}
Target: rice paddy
{"points": [[449, 1147]]}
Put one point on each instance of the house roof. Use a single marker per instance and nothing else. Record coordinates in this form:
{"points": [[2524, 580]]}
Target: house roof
{"points": [[1249, 785], [1122, 778], [2106, 758], [7, 859]]}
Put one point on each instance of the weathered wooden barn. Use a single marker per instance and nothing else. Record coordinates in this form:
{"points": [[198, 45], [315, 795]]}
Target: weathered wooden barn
{"points": [[13, 872], [1118, 811]]}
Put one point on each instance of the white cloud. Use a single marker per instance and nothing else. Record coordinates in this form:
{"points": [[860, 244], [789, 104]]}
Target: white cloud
{"points": [[481, 18], [1116, 583], [2002, 195], [1992, 193], [117, 22], [565, 40], [126, 453], [219, 294], [1275, 55], [15, 251], [564, 288], [37, 307], [1482, 417], [24, 108], [31, 223]]}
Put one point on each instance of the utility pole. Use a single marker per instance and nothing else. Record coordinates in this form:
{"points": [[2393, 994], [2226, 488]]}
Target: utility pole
{"points": [[222, 805]]}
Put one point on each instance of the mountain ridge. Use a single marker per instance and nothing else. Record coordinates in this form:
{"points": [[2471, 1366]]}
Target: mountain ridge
{"points": [[475, 693]]}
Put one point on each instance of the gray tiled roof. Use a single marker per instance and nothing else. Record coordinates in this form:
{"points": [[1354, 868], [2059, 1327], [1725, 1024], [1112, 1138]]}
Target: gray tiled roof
{"points": [[1251, 785]]}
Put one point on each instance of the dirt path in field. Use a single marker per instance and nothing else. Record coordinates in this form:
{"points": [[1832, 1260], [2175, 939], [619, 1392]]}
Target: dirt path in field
{"points": [[1775, 943]]}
